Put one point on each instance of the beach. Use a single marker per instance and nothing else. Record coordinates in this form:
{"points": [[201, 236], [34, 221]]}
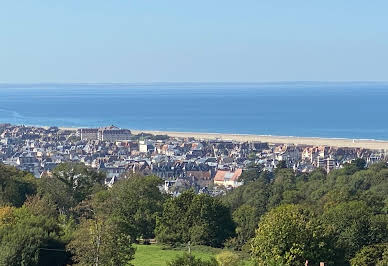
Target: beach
{"points": [[311, 141]]}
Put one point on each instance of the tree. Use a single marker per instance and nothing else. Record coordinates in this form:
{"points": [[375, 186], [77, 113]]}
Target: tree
{"points": [[30, 236], [15, 186], [281, 165], [252, 174], [287, 235], [71, 183], [284, 181], [136, 202], [228, 258], [369, 255], [190, 260], [99, 239], [98, 242], [255, 194], [200, 219], [349, 224], [246, 219], [359, 163], [384, 260]]}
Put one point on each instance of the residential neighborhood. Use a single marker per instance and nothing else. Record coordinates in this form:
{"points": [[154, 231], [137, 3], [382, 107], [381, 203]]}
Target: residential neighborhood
{"points": [[207, 166]]}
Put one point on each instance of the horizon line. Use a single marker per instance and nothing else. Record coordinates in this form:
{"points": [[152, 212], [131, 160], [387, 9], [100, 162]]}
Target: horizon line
{"points": [[190, 82]]}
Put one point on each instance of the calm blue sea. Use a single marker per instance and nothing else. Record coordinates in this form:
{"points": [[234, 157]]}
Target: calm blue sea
{"points": [[341, 110]]}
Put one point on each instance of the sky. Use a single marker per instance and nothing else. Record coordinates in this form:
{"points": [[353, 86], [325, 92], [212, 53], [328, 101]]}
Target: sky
{"points": [[103, 41]]}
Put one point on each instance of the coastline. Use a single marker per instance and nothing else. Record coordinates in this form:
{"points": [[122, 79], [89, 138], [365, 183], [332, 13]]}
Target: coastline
{"points": [[309, 141]]}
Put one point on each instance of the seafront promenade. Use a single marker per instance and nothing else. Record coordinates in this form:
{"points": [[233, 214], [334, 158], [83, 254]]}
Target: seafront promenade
{"points": [[313, 141]]}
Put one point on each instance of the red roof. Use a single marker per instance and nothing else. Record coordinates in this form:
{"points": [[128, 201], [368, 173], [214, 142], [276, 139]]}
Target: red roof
{"points": [[223, 175]]}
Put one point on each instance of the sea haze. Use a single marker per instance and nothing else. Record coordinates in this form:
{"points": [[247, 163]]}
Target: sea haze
{"points": [[338, 110]]}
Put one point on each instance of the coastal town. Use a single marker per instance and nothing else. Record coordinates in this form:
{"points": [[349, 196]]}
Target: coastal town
{"points": [[210, 166]]}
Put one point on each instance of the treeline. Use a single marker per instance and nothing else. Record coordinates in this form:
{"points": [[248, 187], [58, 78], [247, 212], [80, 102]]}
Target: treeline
{"points": [[280, 218], [286, 218]]}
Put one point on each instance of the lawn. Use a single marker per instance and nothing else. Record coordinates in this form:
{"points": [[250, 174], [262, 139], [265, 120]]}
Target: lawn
{"points": [[152, 255], [155, 255]]}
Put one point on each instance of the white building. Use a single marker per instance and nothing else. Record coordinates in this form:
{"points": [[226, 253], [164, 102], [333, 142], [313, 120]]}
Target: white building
{"points": [[113, 133], [88, 133]]}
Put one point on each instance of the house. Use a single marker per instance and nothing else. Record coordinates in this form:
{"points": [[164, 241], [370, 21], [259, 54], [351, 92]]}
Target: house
{"points": [[228, 178]]}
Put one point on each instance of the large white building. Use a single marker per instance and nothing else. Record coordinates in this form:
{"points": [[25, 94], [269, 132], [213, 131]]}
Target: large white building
{"points": [[113, 133], [110, 133], [88, 133]]}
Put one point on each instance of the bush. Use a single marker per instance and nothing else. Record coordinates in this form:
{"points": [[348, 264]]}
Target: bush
{"points": [[189, 260], [369, 255], [228, 258]]}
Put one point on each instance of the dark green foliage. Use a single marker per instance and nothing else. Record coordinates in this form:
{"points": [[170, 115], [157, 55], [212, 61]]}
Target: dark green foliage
{"points": [[15, 186], [348, 223], [246, 219], [30, 235], [249, 175], [340, 218], [70, 184], [370, 255], [136, 202], [199, 219], [189, 260], [350, 205], [281, 165]]}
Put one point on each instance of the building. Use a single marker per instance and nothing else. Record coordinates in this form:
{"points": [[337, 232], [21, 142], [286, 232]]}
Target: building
{"points": [[228, 178], [330, 164], [145, 147], [113, 133], [88, 133], [321, 163]]}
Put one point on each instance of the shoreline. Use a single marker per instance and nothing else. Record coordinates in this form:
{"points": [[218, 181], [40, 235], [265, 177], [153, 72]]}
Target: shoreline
{"points": [[309, 141], [371, 144]]}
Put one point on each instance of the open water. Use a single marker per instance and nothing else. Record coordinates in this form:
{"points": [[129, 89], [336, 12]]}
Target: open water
{"points": [[338, 110]]}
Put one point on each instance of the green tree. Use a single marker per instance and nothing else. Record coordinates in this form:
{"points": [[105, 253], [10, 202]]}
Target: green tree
{"points": [[246, 219], [200, 219], [30, 236], [281, 165], [99, 239], [136, 202], [190, 260], [369, 255], [252, 174], [384, 260], [15, 186], [359, 163], [283, 183], [98, 242], [228, 258], [287, 235], [349, 224], [71, 183]]}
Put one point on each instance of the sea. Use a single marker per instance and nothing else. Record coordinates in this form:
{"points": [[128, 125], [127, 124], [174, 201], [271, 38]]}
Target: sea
{"points": [[356, 110]]}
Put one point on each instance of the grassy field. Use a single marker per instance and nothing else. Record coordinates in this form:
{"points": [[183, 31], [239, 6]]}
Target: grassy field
{"points": [[152, 255], [155, 255]]}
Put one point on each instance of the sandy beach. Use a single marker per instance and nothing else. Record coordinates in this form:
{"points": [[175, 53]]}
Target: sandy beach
{"points": [[333, 142], [312, 141]]}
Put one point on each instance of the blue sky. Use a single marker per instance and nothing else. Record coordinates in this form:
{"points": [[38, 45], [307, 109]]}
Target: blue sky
{"points": [[196, 41]]}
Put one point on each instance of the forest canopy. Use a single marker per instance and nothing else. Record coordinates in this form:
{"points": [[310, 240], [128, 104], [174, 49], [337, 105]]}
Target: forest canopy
{"points": [[282, 218]]}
